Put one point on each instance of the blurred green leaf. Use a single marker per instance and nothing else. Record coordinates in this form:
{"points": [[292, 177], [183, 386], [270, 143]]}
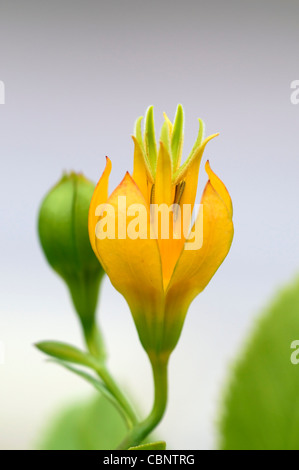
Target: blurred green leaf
{"points": [[91, 425], [261, 405], [159, 445], [66, 352]]}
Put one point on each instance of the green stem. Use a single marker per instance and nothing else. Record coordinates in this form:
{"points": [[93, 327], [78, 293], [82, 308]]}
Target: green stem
{"points": [[112, 386], [95, 344], [94, 340], [143, 429]]}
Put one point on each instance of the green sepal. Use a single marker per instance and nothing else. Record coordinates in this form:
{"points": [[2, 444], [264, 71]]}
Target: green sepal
{"points": [[150, 139], [177, 137], [199, 139], [195, 150], [138, 132], [159, 445], [67, 352], [140, 143]]}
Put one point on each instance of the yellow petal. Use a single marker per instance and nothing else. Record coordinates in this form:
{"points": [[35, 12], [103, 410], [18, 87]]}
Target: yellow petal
{"points": [[219, 187], [170, 125], [133, 265], [100, 196], [195, 267], [162, 198], [139, 171], [164, 136]]}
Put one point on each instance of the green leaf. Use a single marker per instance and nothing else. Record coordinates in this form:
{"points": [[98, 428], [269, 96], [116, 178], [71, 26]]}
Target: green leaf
{"points": [[261, 405], [177, 137], [150, 140], [89, 425], [66, 352], [159, 445], [97, 384]]}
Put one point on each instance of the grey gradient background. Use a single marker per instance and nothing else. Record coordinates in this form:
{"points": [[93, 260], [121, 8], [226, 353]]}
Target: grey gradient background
{"points": [[77, 74]]}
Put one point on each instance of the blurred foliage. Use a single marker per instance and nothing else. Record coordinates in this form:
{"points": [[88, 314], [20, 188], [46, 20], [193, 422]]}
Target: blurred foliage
{"points": [[261, 405], [91, 425]]}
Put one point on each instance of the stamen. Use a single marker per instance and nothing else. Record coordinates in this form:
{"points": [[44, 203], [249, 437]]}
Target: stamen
{"points": [[179, 190], [152, 197], [176, 193]]}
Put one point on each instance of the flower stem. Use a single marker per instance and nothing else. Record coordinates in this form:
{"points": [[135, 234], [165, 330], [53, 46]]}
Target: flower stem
{"points": [[143, 429], [95, 344], [112, 386]]}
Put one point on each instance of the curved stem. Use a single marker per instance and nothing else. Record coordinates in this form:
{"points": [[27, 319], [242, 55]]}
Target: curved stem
{"points": [[143, 429], [112, 386], [95, 344]]}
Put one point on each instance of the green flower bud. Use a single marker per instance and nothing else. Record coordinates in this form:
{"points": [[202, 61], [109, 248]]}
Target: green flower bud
{"points": [[63, 233]]}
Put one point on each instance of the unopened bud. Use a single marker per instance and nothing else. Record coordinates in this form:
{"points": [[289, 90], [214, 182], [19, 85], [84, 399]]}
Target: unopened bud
{"points": [[63, 232]]}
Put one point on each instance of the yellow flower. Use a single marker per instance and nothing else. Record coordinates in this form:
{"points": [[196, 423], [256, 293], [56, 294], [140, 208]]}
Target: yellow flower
{"points": [[160, 276]]}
